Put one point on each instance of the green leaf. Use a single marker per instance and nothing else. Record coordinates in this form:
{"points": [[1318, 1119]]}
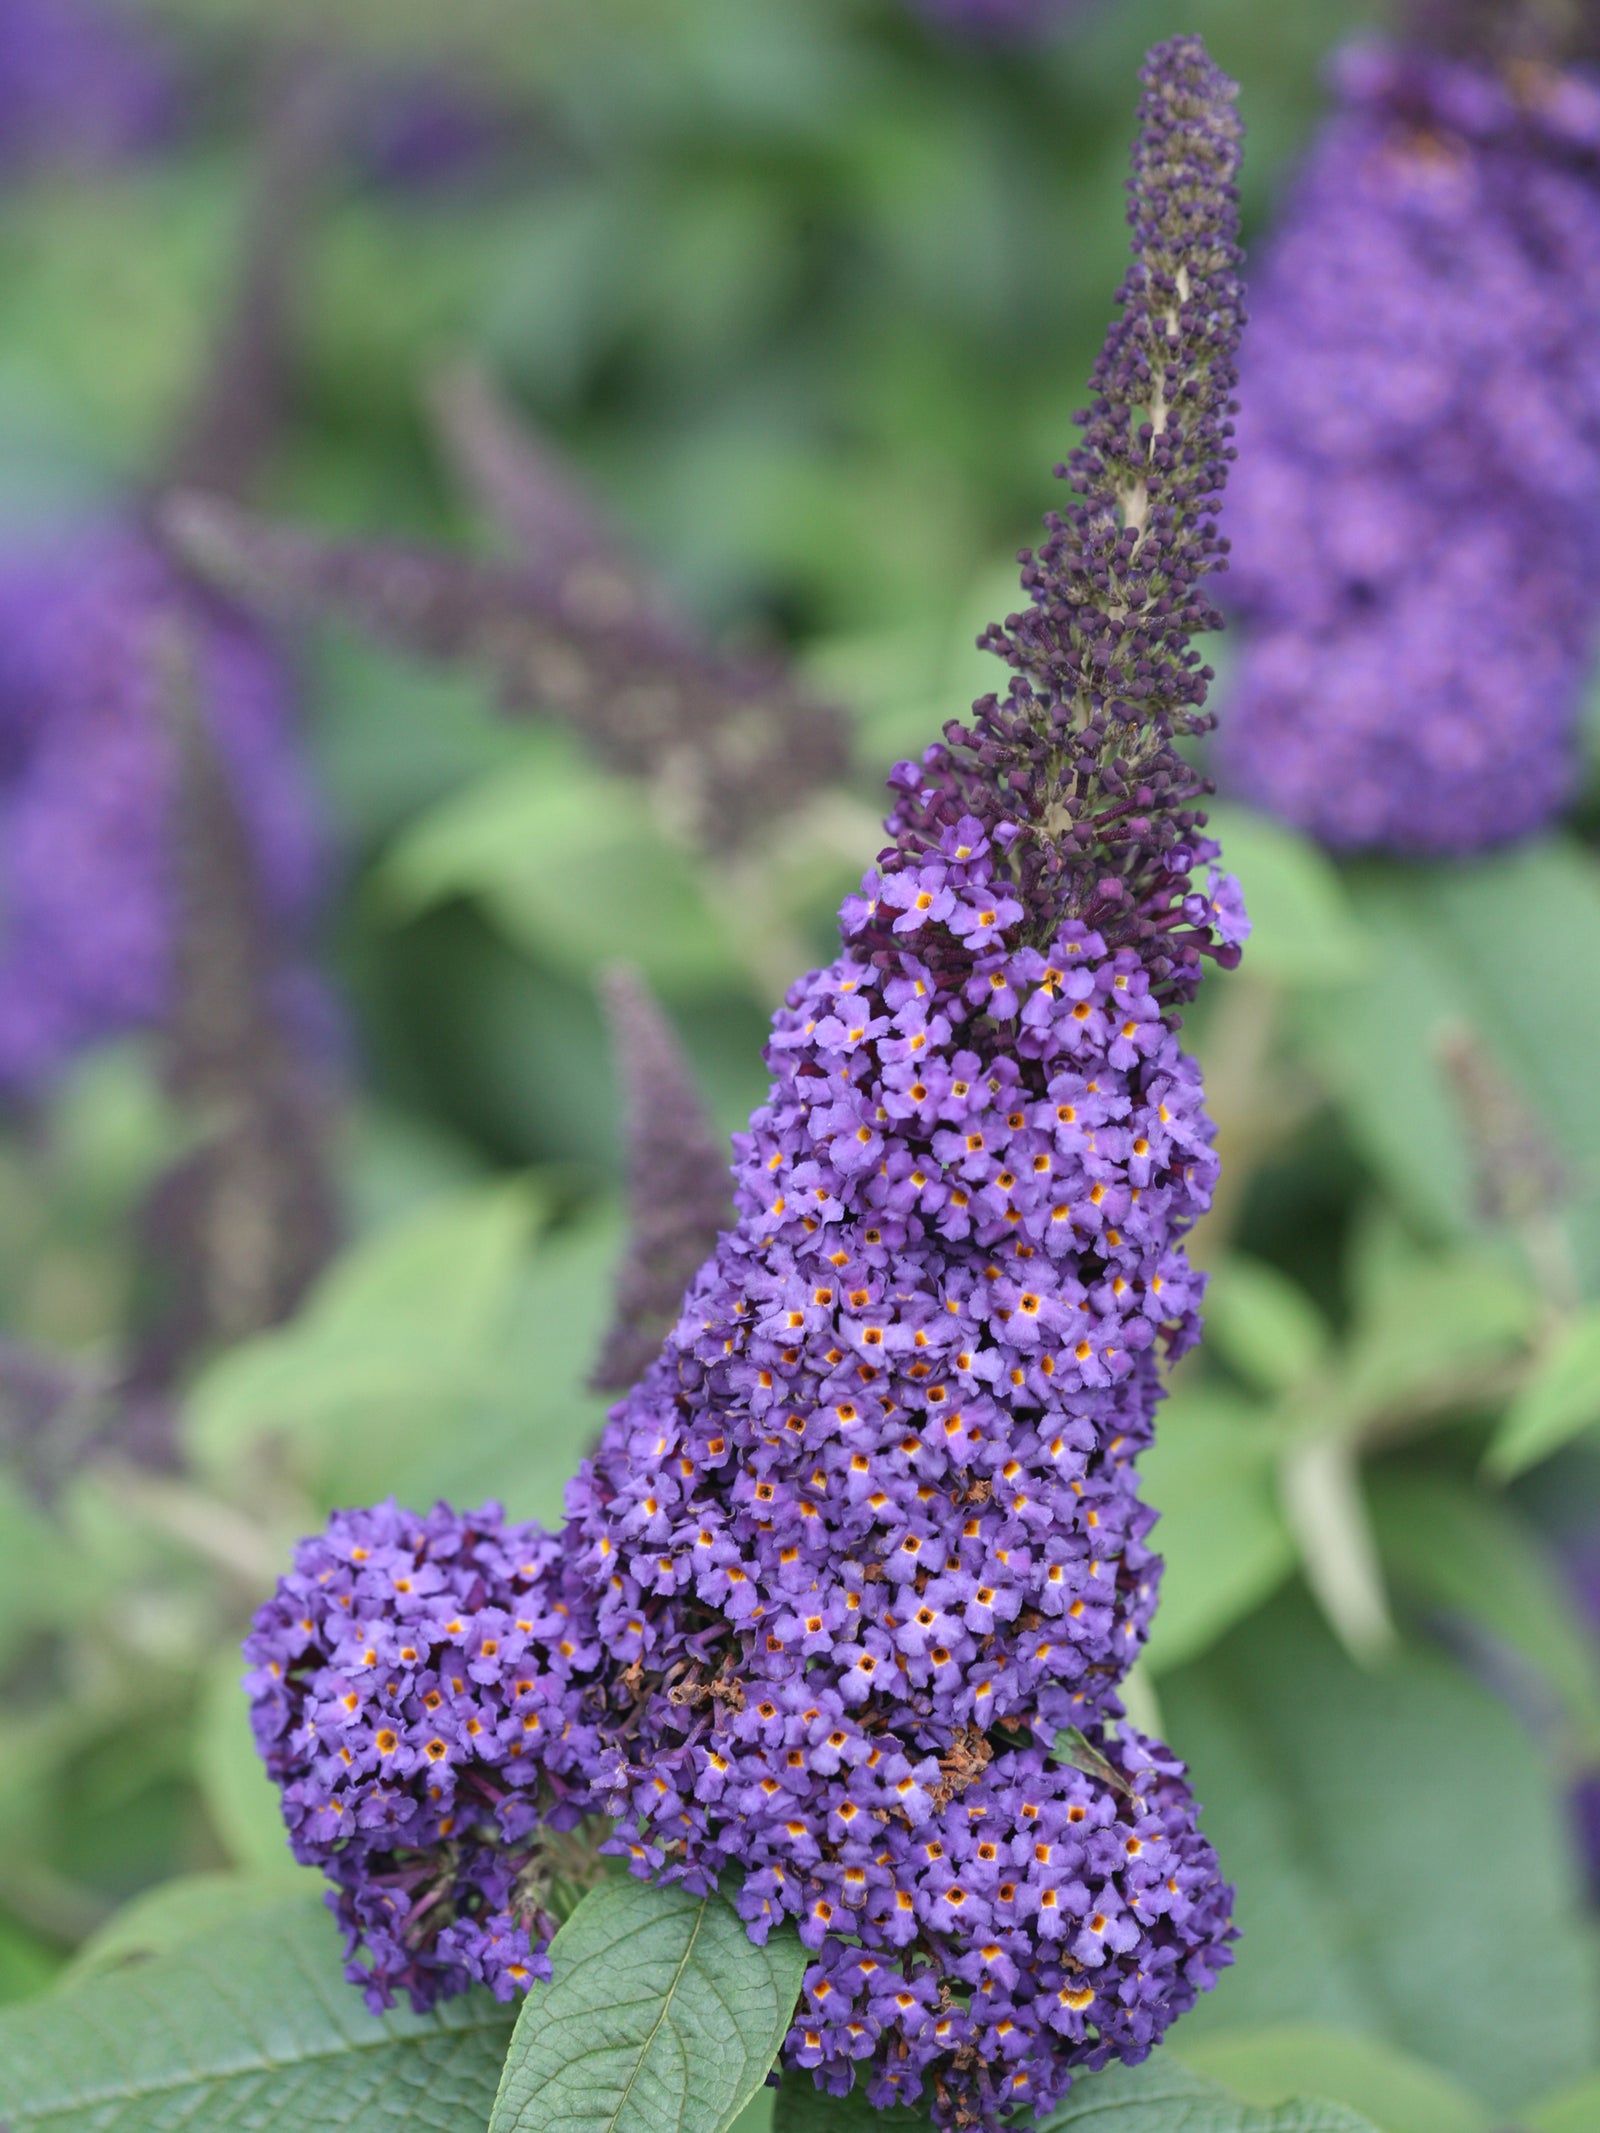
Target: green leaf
{"points": [[1262, 1324], [572, 865], [1470, 1553], [1507, 945], [1212, 1475], [662, 2017], [1303, 930], [1384, 1830], [1071, 1746], [398, 1343], [1573, 2110], [1425, 1340], [1397, 2093], [250, 2026], [1560, 1399], [177, 1911], [27, 1963], [802, 2107], [1162, 2096]]}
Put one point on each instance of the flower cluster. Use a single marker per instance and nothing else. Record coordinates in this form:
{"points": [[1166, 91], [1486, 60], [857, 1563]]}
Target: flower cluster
{"points": [[88, 782], [846, 1593], [1413, 520], [413, 1692]]}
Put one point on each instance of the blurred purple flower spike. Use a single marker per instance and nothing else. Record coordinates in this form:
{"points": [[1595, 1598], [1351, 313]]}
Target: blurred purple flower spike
{"points": [[87, 785], [1415, 517], [82, 84]]}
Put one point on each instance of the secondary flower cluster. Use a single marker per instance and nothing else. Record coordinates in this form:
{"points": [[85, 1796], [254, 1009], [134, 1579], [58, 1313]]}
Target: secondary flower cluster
{"points": [[846, 1593], [413, 1691], [88, 779], [1415, 510]]}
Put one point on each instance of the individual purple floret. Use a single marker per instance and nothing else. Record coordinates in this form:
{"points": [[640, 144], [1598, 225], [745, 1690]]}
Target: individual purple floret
{"points": [[861, 1562], [81, 83], [414, 1691], [1416, 514], [88, 780]]}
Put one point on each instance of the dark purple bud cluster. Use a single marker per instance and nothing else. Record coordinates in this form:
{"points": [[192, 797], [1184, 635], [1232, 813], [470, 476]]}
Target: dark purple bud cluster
{"points": [[1415, 511], [89, 782], [1078, 762], [413, 1685], [848, 1590]]}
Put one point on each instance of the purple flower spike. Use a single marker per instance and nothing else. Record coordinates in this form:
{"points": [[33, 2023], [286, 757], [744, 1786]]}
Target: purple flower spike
{"points": [[866, 1540], [1413, 519], [88, 781]]}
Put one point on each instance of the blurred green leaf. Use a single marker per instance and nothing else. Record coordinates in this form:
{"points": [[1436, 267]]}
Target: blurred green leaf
{"points": [[400, 1335], [27, 1963], [1560, 1400], [1326, 1508], [241, 1800], [175, 1912], [1304, 931], [1505, 946], [250, 2025], [662, 2016], [1465, 1551], [1398, 2093], [1572, 2110], [1212, 1474], [800, 2107], [571, 865], [1400, 1853], [1163, 2096], [391, 736], [1263, 1324], [1427, 1337]]}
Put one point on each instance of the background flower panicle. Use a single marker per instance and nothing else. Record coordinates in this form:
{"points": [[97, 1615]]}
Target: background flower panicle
{"points": [[89, 771], [82, 83], [678, 1198], [867, 1538], [1420, 461]]}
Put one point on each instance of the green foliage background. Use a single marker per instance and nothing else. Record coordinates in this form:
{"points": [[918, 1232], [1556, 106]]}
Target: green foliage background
{"points": [[811, 295]]}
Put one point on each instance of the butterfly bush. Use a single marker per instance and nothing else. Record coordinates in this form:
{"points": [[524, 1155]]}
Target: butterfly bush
{"points": [[88, 782], [847, 1591], [1416, 515]]}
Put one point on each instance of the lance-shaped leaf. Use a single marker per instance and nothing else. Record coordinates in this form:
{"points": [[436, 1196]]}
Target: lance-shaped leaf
{"points": [[252, 2025], [726, 744], [244, 1221], [662, 2016], [678, 1197]]}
